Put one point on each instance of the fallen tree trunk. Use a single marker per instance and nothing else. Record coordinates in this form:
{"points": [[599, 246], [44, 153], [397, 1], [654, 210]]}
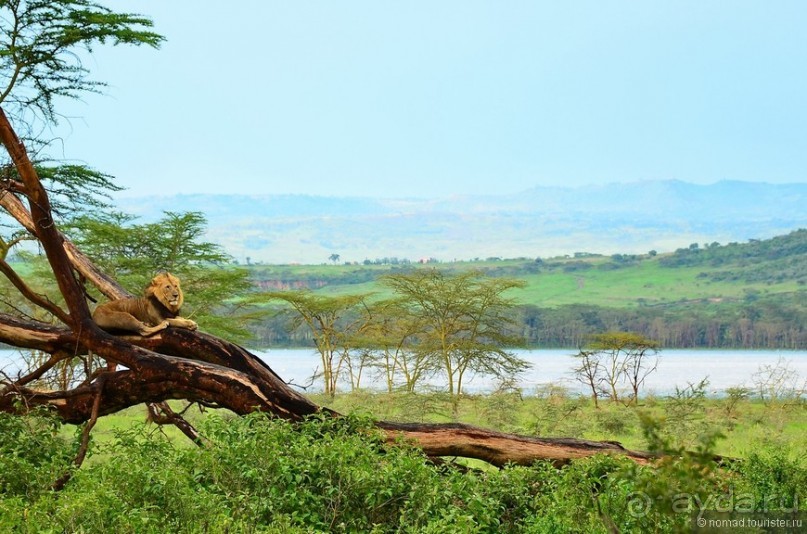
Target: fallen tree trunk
{"points": [[499, 449], [183, 364], [213, 371]]}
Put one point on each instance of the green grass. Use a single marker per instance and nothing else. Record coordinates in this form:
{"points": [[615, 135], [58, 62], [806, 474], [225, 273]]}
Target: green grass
{"points": [[645, 283], [596, 281], [748, 426], [110, 425]]}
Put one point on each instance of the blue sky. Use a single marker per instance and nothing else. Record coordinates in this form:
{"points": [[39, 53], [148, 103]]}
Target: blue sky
{"points": [[433, 98]]}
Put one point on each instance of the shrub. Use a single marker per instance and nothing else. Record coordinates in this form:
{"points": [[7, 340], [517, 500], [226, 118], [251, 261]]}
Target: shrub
{"points": [[257, 474], [773, 478], [33, 453]]}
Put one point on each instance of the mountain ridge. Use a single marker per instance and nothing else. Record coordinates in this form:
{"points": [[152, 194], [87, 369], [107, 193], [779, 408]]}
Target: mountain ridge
{"points": [[538, 222]]}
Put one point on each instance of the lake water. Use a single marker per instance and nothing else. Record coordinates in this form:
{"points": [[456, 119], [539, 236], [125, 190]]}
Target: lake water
{"points": [[723, 368]]}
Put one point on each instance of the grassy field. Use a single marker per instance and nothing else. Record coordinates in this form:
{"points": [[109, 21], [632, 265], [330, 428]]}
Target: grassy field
{"points": [[596, 280], [745, 424], [645, 282]]}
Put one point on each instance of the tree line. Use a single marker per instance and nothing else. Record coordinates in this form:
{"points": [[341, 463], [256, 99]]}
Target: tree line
{"points": [[774, 322], [764, 323]]}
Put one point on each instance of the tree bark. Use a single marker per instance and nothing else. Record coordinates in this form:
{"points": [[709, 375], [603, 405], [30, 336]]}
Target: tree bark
{"points": [[183, 364], [500, 449], [214, 371]]}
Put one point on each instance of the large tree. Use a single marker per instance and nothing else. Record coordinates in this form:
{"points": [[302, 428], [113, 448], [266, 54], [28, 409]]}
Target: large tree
{"points": [[38, 50]]}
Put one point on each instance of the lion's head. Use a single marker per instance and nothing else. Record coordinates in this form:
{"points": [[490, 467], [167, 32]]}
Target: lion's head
{"points": [[165, 288]]}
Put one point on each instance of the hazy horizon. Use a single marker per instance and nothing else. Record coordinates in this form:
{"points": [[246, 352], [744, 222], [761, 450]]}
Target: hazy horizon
{"points": [[607, 219]]}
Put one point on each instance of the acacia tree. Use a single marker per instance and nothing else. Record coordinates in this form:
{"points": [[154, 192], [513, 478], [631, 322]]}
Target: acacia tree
{"points": [[175, 363], [462, 324], [332, 323], [612, 358], [389, 332], [588, 371]]}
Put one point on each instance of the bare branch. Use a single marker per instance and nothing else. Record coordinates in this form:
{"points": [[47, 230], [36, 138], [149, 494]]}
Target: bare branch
{"points": [[41, 370], [39, 300], [161, 413], [85, 437]]}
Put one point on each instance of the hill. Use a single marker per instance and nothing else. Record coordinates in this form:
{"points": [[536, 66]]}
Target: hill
{"points": [[751, 295], [628, 218]]}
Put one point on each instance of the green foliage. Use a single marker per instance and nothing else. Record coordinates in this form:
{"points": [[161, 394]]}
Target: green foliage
{"points": [[681, 482], [40, 41], [328, 474], [497, 409], [754, 256], [73, 190], [613, 420], [685, 415], [462, 322], [774, 477], [560, 414], [133, 253], [325, 474], [136, 485], [33, 454]]}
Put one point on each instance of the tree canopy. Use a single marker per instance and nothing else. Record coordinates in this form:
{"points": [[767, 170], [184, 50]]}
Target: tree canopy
{"points": [[612, 359], [41, 44]]}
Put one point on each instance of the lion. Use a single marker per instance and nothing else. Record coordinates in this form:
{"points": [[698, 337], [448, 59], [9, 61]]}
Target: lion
{"points": [[146, 315]]}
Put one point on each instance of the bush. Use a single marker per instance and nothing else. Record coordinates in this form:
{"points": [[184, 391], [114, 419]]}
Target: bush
{"points": [[33, 454], [773, 479], [256, 474]]}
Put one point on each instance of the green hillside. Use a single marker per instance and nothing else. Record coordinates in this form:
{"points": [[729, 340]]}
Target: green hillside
{"points": [[739, 294], [710, 272]]}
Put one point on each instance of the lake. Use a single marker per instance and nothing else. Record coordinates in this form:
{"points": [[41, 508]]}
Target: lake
{"points": [[723, 368]]}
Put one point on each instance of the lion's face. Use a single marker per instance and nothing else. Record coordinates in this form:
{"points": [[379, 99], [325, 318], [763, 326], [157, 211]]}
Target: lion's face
{"points": [[165, 287]]}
